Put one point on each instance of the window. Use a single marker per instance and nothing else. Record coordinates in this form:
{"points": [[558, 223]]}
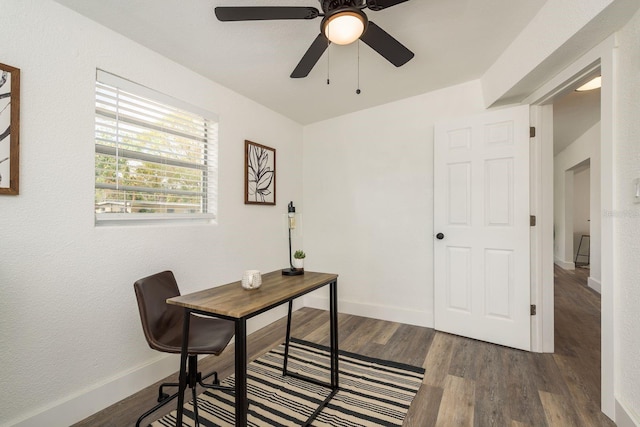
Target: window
{"points": [[155, 157]]}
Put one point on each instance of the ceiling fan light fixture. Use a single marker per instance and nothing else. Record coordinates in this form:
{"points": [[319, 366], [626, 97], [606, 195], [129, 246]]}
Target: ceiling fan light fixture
{"points": [[344, 27]]}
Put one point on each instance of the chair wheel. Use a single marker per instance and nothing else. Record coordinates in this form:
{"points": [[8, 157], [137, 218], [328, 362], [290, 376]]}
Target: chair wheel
{"points": [[162, 396]]}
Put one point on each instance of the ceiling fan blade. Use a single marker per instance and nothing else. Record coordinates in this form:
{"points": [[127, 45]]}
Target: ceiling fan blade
{"points": [[257, 13], [311, 57], [391, 49], [382, 4]]}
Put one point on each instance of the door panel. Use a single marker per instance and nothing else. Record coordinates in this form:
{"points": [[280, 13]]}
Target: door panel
{"points": [[499, 279], [459, 279], [460, 200], [498, 201], [481, 203]]}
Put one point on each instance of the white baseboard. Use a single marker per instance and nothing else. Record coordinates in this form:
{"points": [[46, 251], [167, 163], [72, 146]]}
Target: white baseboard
{"points": [[566, 265], [97, 397], [86, 402], [391, 314], [594, 284], [625, 417]]}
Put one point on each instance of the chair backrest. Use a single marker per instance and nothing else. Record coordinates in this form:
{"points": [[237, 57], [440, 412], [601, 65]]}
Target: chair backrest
{"points": [[158, 318]]}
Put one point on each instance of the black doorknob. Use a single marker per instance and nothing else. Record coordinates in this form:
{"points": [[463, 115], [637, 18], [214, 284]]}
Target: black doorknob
{"points": [[439, 236]]}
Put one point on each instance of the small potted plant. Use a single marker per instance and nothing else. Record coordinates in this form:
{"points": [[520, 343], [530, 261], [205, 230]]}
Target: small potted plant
{"points": [[298, 259]]}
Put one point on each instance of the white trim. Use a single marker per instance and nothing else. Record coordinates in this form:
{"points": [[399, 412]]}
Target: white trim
{"points": [[542, 286], [104, 219], [535, 198], [86, 402], [565, 265], [391, 314], [625, 417], [604, 53], [546, 230], [563, 84], [594, 284], [607, 228]]}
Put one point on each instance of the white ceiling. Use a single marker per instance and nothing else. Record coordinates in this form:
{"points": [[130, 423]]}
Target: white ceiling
{"points": [[453, 40], [573, 115]]}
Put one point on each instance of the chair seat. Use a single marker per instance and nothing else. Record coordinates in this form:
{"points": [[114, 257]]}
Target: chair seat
{"points": [[206, 336]]}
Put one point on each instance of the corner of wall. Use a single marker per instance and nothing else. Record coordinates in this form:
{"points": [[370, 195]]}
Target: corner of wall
{"points": [[565, 265], [625, 417], [594, 284]]}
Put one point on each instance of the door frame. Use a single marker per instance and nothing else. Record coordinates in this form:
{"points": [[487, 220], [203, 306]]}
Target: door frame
{"points": [[601, 57]]}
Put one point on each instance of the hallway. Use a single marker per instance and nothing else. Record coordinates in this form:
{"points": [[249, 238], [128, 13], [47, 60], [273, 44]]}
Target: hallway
{"points": [[577, 338]]}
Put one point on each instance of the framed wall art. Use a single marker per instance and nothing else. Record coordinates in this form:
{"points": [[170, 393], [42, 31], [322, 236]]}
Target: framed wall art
{"points": [[9, 129], [259, 174]]}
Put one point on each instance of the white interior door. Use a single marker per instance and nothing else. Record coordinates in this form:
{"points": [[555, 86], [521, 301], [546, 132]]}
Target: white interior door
{"points": [[481, 222]]}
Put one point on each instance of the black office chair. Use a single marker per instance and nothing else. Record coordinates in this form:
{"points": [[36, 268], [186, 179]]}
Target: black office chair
{"points": [[162, 325]]}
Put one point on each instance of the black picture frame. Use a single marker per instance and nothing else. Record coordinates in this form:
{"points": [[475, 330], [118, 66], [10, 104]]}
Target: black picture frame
{"points": [[259, 174]]}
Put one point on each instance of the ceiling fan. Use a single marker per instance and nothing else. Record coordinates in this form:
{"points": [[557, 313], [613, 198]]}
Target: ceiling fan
{"points": [[343, 22]]}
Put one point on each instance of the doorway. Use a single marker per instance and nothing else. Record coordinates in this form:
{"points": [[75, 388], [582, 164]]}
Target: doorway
{"points": [[576, 149], [600, 60], [577, 232]]}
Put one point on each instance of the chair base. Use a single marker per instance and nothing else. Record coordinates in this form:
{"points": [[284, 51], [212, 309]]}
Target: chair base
{"points": [[194, 378]]}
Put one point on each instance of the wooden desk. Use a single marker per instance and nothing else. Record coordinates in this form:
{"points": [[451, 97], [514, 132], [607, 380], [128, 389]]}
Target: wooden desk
{"points": [[234, 303]]}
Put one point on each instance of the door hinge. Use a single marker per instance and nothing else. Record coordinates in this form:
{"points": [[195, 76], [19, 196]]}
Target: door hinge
{"points": [[532, 132], [532, 220], [533, 309]]}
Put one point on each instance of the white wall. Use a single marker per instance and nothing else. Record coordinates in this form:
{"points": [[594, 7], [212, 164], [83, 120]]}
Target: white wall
{"points": [[626, 217], [368, 197], [581, 197], [68, 311], [585, 147], [68, 317], [581, 210]]}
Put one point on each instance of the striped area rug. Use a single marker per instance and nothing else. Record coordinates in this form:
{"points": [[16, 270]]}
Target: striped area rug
{"points": [[373, 392]]}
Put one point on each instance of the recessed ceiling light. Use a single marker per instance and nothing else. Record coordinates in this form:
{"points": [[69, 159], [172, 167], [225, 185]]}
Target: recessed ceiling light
{"points": [[595, 83]]}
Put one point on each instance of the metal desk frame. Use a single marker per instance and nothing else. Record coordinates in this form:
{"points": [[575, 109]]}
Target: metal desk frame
{"points": [[242, 402]]}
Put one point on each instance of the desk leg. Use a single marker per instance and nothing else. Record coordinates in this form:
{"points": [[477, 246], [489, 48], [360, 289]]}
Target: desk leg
{"points": [[333, 322], [242, 403], [287, 339], [183, 366]]}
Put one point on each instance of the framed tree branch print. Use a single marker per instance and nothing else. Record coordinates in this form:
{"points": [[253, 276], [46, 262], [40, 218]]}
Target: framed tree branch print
{"points": [[9, 128], [259, 174]]}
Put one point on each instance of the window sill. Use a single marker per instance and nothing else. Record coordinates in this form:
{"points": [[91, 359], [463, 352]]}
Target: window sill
{"points": [[117, 219]]}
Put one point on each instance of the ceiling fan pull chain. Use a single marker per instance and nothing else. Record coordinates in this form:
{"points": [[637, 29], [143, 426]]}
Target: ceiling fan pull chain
{"points": [[328, 60], [358, 88]]}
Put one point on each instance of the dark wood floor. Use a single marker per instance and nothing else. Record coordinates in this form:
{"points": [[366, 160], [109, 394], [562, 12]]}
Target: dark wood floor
{"points": [[467, 382]]}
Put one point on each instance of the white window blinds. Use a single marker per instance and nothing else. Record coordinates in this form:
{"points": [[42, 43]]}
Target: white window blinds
{"points": [[154, 159]]}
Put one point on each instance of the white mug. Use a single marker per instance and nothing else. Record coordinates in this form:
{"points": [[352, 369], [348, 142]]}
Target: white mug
{"points": [[251, 279]]}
